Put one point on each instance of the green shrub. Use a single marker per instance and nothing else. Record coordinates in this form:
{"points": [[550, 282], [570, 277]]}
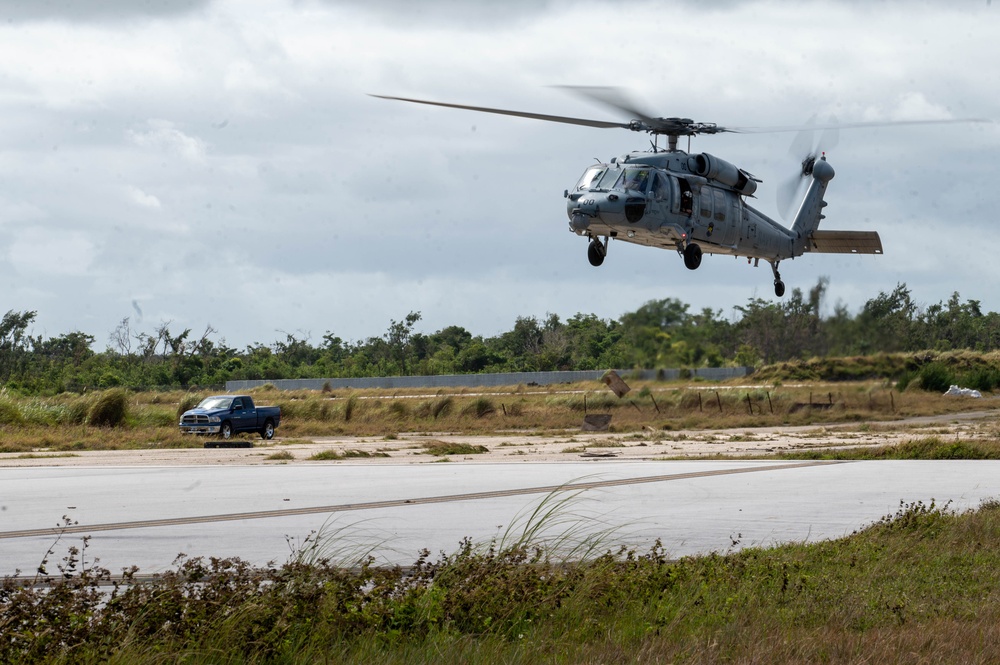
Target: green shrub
{"points": [[110, 409], [9, 413], [983, 379], [936, 377]]}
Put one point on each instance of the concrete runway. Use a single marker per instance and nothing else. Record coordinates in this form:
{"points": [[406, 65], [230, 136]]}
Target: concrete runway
{"points": [[146, 516]]}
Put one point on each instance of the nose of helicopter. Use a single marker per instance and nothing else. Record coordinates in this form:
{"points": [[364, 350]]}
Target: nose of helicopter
{"points": [[608, 208]]}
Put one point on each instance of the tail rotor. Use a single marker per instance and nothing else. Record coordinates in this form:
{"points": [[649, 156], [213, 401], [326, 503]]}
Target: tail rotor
{"points": [[805, 149]]}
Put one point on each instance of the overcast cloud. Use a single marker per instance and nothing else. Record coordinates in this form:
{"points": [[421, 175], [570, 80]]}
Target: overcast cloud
{"points": [[219, 162]]}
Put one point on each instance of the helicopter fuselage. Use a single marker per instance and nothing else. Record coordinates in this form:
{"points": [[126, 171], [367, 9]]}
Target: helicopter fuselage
{"points": [[655, 199], [694, 204]]}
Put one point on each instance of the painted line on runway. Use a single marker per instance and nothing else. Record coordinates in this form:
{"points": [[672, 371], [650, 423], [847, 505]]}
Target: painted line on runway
{"points": [[396, 503]]}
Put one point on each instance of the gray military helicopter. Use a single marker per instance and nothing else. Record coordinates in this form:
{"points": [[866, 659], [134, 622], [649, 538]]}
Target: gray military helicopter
{"points": [[697, 203]]}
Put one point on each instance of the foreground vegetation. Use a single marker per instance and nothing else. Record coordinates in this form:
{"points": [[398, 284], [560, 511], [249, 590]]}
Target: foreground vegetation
{"points": [[922, 585], [660, 334]]}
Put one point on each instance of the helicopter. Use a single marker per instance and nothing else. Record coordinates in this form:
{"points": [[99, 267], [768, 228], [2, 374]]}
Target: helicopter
{"points": [[696, 204]]}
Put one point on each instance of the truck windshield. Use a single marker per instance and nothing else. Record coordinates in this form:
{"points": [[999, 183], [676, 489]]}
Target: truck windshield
{"points": [[215, 403]]}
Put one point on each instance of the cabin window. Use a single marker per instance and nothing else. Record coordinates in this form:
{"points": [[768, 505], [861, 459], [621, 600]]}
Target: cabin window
{"points": [[687, 198], [720, 206], [661, 187]]}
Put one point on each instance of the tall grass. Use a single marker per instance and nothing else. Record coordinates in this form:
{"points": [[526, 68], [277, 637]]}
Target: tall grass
{"points": [[70, 422], [917, 586]]}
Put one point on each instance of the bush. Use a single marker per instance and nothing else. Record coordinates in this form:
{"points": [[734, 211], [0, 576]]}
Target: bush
{"points": [[9, 413], [983, 379], [936, 377], [110, 409]]}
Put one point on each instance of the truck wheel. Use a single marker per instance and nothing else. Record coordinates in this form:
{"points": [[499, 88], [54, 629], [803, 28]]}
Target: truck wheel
{"points": [[267, 431], [226, 431]]}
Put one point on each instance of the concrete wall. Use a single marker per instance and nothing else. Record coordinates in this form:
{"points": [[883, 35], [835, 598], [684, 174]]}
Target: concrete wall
{"points": [[486, 380]]}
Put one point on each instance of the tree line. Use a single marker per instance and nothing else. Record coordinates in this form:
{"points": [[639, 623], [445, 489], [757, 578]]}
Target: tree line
{"points": [[660, 333]]}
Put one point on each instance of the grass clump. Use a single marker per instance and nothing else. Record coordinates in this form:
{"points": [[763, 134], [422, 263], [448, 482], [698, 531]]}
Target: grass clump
{"points": [[110, 409], [480, 407], [442, 448], [280, 455], [930, 448], [324, 455]]}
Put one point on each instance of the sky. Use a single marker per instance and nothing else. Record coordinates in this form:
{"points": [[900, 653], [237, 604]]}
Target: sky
{"points": [[221, 163]]}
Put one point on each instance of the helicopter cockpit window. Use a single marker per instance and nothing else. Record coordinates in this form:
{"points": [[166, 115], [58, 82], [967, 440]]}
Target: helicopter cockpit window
{"points": [[590, 178], [634, 179]]}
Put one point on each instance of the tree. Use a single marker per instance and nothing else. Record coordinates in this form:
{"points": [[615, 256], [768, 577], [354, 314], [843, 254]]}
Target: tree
{"points": [[399, 336], [14, 342]]}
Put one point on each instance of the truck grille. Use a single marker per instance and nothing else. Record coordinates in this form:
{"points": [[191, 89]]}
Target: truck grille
{"points": [[194, 420]]}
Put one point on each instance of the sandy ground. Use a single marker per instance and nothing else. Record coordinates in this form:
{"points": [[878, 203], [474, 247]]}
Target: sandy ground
{"points": [[513, 447]]}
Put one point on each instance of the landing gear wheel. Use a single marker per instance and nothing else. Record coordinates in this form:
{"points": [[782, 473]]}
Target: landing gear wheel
{"points": [[779, 288], [692, 256], [267, 431], [596, 253]]}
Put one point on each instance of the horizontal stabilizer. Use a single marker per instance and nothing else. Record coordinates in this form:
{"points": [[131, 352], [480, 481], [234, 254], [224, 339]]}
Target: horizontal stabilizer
{"points": [[845, 242]]}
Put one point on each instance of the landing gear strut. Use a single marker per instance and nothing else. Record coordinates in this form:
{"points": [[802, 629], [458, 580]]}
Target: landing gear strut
{"points": [[692, 256], [779, 286], [596, 251]]}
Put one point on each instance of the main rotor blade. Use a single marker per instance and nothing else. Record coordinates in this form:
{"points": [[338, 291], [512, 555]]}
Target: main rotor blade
{"points": [[853, 125], [601, 124], [618, 100], [612, 97]]}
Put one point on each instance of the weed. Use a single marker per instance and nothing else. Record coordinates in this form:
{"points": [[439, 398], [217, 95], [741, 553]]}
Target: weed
{"points": [[441, 448], [325, 455], [441, 407], [480, 407], [349, 407], [110, 409]]}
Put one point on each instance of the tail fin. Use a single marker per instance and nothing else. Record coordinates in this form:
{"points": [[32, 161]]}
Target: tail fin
{"points": [[811, 211]]}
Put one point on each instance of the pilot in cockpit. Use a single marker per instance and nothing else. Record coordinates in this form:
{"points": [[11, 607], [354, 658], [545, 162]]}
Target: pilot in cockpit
{"points": [[636, 179]]}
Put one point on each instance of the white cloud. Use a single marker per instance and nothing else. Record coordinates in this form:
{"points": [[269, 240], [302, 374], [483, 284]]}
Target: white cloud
{"points": [[143, 199], [163, 135]]}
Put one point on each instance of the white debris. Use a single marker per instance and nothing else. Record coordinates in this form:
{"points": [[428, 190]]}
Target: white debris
{"points": [[963, 392]]}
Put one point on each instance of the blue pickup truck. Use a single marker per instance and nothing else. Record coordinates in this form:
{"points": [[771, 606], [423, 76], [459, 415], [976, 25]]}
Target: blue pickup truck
{"points": [[226, 415]]}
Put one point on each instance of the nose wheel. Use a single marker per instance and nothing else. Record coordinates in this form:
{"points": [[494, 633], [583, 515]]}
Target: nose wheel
{"points": [[596, 251], [779, 286]]}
